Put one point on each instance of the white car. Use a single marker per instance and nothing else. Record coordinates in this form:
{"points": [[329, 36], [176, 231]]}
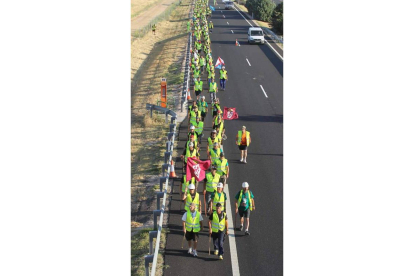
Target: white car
{"points": [[229, 5], [255, 35]]}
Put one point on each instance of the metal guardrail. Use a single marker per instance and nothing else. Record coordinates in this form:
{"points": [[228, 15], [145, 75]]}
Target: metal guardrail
{"points": [[186, 83], [166, 169]]}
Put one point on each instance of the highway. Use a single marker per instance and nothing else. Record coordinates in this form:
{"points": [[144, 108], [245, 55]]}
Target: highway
{"points": [[255, 89]]}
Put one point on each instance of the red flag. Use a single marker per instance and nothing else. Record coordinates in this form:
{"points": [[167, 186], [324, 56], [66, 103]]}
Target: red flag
{"points": [[197, 168], [230, 113]]}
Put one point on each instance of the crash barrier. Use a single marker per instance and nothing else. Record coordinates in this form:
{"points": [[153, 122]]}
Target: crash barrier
{"points": [[166, 169], [142, 31]]}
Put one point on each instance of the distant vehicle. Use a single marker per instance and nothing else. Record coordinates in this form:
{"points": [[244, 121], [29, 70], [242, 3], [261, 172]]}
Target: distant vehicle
{"points": [[229, 5], [255, 35]]}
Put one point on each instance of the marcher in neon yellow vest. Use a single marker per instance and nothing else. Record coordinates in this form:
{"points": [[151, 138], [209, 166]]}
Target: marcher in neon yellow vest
{"points": [[244, 205], [193, 114], [184, 185], [218, 197], [218, 228], [192, 224], [210, 185], [192, 197], [214, 153], [222, 168], [203, 107], [243, 140], [211, 140]]}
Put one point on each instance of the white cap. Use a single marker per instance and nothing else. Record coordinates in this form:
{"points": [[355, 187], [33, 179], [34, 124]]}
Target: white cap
{"points": [[191, 186], [220, 185], [214, 131], [203, 97], [192, 127], [245, 185], [191, 144], [244, 127], [215, 144]]}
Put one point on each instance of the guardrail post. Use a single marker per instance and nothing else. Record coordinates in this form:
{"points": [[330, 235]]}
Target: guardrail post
{"points": [[168, 146], [152, 235], [166, 156], [159, 195], [165, 168], [172, 126], [162, 180], [170, 135], [156, 214], [148, 260]]}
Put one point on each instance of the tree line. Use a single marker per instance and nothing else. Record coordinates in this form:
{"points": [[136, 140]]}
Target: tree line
{"points": [[266, 10]]}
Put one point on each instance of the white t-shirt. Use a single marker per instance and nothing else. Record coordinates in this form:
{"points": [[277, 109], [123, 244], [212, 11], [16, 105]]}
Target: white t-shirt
{"points": [[192, 214]]}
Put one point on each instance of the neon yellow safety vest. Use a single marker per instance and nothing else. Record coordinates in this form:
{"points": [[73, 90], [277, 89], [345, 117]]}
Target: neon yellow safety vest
{"points": [[240, 133], [193, 116], [196, 73], [202, 61], [213, 87], [212, 182], [221, 166], [193, 224], [211, 142], [223, 74], [215, 156], [210, 76], [198, 84], [217, 225], [189, 154], [186, 183], [202, 106], [248, 197], [187, 145], [199, 127], [188, 201], [219, 199]]}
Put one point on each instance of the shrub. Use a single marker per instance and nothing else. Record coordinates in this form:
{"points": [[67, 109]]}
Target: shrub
{"points": [[277, 19]]}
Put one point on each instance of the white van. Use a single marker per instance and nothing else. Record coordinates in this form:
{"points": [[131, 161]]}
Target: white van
{"points": [[255, 35]]}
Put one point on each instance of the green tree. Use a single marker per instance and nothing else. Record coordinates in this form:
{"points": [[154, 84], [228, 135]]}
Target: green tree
{"points": [[265, 9], [277, 19]]}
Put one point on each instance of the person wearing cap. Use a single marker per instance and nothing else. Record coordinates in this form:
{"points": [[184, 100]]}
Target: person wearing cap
{"points": [[216, 108], [244, 205], [198, 86], [192, 197], [218, 228], [193, 132], [211, 140], [184, 185], [196, 73], [210, 185], [222, 168], [202, 63], [203, 107], [192, 115], [218, 197], [211, 25], [214, 153], [190, 108], [189, 151], [243, 140], [213, 89], [194, 141], [192, 225], [199, 125], [223, 77]]}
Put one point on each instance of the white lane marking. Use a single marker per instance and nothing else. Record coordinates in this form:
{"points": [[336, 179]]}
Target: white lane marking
{"points": [[249, 63], [227, 23], [232, 31], [263, 90], [221, 11], [265, 38], [232, 237]]}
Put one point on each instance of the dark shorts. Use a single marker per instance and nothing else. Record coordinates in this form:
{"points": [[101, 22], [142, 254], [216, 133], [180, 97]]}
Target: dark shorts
{"points": [[198, 92], [214, 113], [203, 114], [242, 147], [245, 214], [191, 236]]}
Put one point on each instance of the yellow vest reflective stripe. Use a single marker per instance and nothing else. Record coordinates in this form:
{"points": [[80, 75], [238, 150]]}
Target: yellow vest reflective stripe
{"points": [[193, 116], [221, 166], [217, 225], [212, 182], [240, 133], [223, 74], [215, 155], [189, 154], [213, 87], [248, 198], [202, 106], [199, 84], [188, 201], [196, 73], [218, 199], [199, 127], [193, 224], [211, 142]]}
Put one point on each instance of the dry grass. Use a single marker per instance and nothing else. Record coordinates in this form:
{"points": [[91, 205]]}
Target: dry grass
{"points": [[138, 6], [140, 248], [153, 57]]}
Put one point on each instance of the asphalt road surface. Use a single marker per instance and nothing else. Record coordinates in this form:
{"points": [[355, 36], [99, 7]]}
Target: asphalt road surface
{"points": [[256, 91]]}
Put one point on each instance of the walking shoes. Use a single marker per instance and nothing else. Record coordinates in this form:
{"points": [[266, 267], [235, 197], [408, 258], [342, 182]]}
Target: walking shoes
{"points": [[221, 257], [215, 252], [190, 250], [195, 253]]}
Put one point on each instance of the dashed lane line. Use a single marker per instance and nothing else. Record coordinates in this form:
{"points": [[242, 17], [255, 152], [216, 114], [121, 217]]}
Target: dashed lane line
{"points": [[227, 23], [248, 62], [232, 31], [263, 90]]}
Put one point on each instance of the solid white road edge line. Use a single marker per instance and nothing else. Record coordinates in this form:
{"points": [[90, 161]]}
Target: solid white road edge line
{"points": [[263, 90], [232, 237], [265, 38], [248, 62]]}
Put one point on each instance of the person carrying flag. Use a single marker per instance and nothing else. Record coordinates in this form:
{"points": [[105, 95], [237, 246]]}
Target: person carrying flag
{"points": [[191, 151]]}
